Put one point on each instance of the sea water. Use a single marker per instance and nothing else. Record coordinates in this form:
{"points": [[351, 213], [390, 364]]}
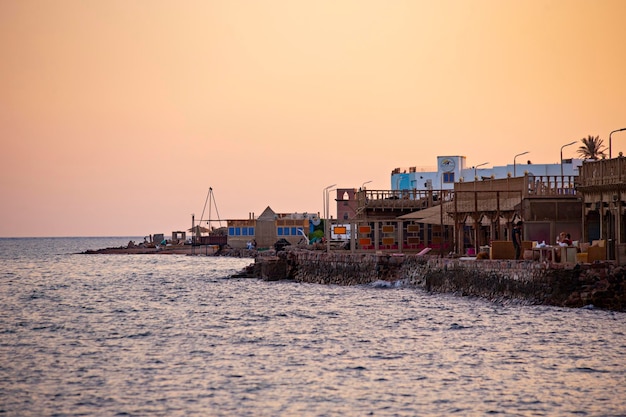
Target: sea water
{"points": [[173, 335]]}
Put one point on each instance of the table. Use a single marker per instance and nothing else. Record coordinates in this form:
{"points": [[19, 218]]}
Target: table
{"points": [[544, 251]]}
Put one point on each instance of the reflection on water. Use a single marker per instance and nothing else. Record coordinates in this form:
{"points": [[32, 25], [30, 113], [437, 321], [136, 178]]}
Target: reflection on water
{"points": [[169, 335]]}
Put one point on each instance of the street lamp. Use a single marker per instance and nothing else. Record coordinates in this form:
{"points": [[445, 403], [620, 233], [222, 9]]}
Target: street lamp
{"points": [[519, 154], [326, 215], [363, 185], [325, 200], [479, 165], [567, 144], [618, 130], [476, 209]]}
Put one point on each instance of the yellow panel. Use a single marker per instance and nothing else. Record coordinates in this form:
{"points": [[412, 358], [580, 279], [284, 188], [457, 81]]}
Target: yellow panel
{"points": [[413, 240], [388, 229], [388, 241], [413, 228]]}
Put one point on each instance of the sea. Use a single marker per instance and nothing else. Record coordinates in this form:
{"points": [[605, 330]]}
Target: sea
{"points": [[176, 335]]}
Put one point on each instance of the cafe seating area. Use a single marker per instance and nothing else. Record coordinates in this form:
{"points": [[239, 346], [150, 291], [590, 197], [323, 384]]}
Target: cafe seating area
{"points": [[532, 250]]}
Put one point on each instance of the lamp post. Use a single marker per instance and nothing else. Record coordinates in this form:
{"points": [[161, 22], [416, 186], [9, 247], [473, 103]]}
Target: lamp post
{"points": [[326, 212], [476, 245], [363, 185], [479, 165], [618, 130], [519, 154], [567, 144], [325, 202]]}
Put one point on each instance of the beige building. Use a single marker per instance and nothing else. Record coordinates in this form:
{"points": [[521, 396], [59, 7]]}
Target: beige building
{"points": [[268, 228]]}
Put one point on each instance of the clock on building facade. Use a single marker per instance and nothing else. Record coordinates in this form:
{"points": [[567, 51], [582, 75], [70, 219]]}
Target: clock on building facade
{"points": [[447, 165]]}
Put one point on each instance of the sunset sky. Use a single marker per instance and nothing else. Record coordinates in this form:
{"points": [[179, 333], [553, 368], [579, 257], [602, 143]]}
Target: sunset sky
{"points": [[117, 116]]}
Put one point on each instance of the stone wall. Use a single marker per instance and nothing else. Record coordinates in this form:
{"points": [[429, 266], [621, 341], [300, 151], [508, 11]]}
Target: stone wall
{"points": [[602, 284]]}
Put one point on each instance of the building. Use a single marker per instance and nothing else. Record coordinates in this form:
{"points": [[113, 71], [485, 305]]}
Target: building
{"points": [[347, 204], [269, 227], [452, 169], [459, 208], [602, 185]]}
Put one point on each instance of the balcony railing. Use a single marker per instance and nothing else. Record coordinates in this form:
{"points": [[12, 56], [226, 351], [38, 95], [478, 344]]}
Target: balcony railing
{"points": [[399, 199], [529, 186], [605, 172], [550, 186]]}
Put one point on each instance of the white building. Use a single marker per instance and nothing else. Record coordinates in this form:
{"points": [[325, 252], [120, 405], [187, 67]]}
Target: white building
{"points": [[451, 169]]}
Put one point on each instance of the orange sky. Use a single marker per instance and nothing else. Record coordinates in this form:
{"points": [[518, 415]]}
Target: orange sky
{"points": [[117, 116]]}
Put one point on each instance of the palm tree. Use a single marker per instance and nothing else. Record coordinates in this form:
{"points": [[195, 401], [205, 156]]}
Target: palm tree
{"points": [[593, 148]]}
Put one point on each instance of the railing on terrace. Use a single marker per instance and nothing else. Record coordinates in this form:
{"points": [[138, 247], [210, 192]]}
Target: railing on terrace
{"points": [[401, 199], [603, 172], [531, 185], [528, 186], [550, 186]]}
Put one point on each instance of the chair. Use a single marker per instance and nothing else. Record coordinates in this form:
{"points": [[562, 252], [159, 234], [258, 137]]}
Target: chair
{"points": [[597, 251], [568, 254], [591, 253]]}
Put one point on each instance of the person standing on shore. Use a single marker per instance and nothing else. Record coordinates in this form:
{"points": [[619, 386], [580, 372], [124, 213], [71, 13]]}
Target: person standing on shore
{"points": [[517, 239]]}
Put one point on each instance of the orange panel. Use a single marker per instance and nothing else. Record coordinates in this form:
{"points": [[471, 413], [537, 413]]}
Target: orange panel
{"points": [[365, 229], [365, 242]]}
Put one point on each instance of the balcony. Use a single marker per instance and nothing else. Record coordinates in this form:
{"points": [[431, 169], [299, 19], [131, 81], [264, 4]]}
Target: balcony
{"points": [[605, 173], [403, 200], [531, 186]]}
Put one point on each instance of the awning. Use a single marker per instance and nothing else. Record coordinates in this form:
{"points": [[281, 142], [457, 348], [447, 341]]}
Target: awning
{"points": [[431, 215], [199, 229]]}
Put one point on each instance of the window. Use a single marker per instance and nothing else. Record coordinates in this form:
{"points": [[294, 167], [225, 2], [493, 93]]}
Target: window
{"points": [[448, 177], [287, 231], [241, 231]]}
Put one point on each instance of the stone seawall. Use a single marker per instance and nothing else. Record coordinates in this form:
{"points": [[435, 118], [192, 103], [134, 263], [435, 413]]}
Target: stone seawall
{"points": [[601, 285]]}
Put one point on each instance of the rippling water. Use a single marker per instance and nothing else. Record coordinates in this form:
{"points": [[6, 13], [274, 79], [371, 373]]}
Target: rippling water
{"points": [[169, 335]]}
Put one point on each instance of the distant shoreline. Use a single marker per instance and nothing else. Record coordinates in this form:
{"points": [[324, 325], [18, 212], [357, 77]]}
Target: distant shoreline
{"points": [[204, 250]]}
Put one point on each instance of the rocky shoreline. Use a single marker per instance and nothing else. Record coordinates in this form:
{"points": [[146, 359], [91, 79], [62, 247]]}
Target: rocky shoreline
{"points": [[600, 285]]}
